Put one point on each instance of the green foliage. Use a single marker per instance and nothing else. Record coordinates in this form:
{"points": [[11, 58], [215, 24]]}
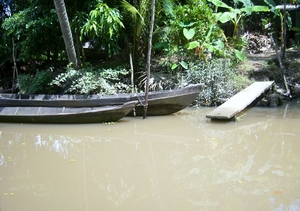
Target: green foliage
{"points": [[133, 11], [35, 31], [191, 33], [235, 15], [272, 6], [38, 83], [296, 29], [90, 80], [5, 49], [219, 77], [104, 25], [136, 20]]}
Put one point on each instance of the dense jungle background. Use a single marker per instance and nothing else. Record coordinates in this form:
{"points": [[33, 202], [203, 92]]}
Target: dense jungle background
{"points": [[100, 46]]}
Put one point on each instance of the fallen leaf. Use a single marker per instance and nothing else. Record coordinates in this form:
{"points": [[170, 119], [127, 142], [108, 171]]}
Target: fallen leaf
{"points": [[277, 191]]}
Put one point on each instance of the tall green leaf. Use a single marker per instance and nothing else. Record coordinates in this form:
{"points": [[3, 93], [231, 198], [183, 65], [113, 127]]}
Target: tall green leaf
{"points": [[219, 3], [252, 9]]}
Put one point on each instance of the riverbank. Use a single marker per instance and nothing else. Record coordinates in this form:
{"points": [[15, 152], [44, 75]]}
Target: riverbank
{"points": [[264, 66]]}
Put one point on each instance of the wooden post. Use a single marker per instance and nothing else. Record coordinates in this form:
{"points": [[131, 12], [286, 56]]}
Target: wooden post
{"points": [[149, 57], [15, 71]]}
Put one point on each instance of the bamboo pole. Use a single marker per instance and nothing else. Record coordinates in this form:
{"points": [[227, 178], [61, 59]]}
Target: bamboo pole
{"points": [[149, 57], [15, 70]]}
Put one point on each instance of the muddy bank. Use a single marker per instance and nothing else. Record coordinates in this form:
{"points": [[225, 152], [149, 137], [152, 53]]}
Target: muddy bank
{"points": [[264, 66]]}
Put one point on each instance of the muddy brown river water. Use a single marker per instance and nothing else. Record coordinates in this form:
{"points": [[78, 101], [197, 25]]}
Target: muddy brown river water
{"points": [[178, 162]]}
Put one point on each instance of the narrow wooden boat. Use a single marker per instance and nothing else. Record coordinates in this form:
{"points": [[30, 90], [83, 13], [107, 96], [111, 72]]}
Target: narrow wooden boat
{"points": [[65, 115], [159, 103], [164, 104]]}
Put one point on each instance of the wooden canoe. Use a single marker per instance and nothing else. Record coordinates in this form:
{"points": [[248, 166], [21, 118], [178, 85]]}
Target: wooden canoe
{"points": [[159, 106], [159, 103], [65, 115]]}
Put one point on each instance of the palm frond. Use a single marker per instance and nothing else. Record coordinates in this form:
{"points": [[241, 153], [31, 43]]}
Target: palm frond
{"points": [[168, 6], [132, 10]]}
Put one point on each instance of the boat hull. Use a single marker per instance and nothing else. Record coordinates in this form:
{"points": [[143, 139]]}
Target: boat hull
{"points": [[159, 102], [61, 115], [164, 106]]}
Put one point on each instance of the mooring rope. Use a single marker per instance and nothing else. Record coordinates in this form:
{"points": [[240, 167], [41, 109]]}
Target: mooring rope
{"points": [[140, 99]]}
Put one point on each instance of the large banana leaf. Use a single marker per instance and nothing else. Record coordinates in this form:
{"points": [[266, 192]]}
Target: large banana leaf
{"points": [[219, 3], [251, 9], [224, 17]]}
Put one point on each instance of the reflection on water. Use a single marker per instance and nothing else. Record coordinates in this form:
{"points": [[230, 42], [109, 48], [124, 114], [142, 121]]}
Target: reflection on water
{"points": [[177, 162]]}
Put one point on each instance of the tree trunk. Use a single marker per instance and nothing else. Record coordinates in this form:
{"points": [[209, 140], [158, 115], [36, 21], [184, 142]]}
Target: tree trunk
{"points": [[66, 31]]}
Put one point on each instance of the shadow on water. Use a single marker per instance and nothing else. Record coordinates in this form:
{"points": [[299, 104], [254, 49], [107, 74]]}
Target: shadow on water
{"points": [[178, 162]]}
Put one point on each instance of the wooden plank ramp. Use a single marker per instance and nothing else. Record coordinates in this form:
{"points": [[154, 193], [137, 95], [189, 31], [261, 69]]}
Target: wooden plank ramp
{"points": [[240, 101]]}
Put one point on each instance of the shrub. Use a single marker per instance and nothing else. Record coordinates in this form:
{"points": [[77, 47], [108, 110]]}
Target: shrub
{"points": [[219, 77], [90, 80], [191, 33], [38, 83]]}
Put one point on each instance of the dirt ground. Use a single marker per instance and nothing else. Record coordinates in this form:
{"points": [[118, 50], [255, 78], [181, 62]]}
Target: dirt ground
{"points": [[262, 60], [265, 66]]}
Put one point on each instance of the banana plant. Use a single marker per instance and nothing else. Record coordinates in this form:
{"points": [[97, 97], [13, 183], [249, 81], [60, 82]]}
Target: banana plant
{"points": [[203, 46], [235, 15], [285, 21]]}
